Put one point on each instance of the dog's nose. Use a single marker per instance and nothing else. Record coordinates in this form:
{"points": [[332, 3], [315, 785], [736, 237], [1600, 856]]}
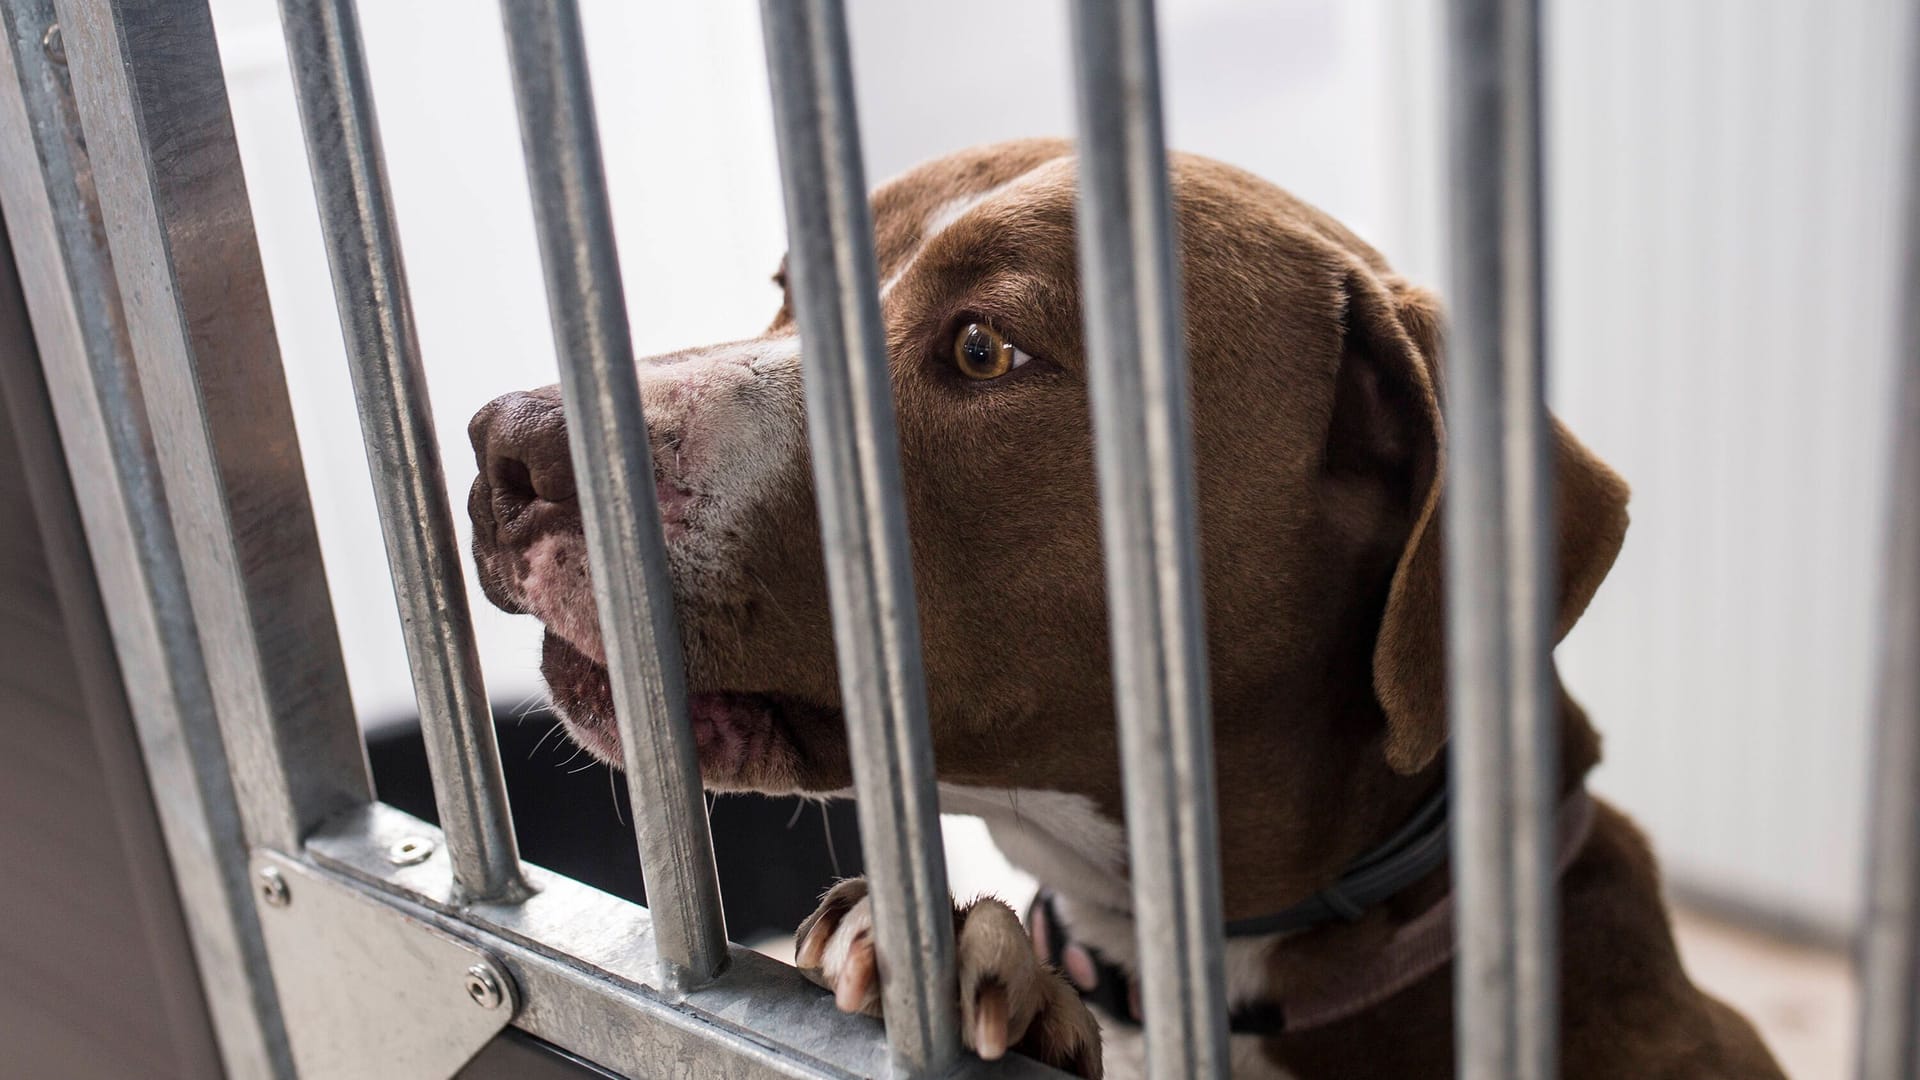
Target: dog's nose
{"points": [[520, 446]]}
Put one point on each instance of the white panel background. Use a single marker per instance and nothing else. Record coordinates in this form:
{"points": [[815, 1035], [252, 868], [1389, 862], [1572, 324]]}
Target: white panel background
{"points": [[1721, 232], [1722, 191]]}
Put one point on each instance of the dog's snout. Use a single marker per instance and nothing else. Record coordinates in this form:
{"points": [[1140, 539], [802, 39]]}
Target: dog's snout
{"points": [[520, 447]]}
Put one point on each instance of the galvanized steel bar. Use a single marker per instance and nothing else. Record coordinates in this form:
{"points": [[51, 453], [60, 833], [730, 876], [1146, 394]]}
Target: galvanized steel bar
{"points": [[54, 224], [856, 468], [579, 980], [153, 104], [1499, 555], [1889, 946], [614, 463], [396, 420], [1136, 360]]}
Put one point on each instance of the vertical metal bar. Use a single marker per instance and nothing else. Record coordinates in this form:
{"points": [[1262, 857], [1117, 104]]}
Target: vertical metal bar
{"points": [[46, 192], [396, 420], [1136, 357], [1890, 934], [153, 104], [612, 458], [1499, 556], [856, 468]]}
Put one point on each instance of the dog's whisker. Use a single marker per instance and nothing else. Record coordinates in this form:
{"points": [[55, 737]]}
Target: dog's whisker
{"points": [[773, 600], [1013, 793], [543, 740], [577, 751], [799, 806], [528, 705], [613, 790], [826, 829]]}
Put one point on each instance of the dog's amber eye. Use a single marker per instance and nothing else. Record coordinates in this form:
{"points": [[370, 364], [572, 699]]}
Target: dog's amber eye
{"points": [[981, 353]]}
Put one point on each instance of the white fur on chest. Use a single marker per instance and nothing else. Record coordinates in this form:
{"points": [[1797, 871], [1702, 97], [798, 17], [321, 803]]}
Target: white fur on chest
{"points": [[1062, 840], [1069, 846]]}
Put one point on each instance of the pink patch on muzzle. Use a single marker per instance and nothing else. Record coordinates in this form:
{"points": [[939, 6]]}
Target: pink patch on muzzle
{"points": [[558, 590], [731, 731]]}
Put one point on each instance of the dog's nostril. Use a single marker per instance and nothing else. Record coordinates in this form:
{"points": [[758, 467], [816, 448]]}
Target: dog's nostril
{"points": [[520, 442], [513, 480]]}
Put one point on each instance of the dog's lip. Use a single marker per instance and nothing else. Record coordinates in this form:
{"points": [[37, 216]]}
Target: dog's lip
{"points": [[736, 733]]}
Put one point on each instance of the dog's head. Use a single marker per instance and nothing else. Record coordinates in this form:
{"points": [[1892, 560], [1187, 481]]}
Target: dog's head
{"points": [[1319, 450]]}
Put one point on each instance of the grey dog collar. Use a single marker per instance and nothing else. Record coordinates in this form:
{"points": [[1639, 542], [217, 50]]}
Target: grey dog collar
{"points": [[1415, 851], [1415, 951], [1404, 858]]}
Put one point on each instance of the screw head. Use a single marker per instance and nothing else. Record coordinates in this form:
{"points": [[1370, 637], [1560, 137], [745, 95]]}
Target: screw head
{"points": [[483, 986], [273, 887], [410, 851], [54, 47]]}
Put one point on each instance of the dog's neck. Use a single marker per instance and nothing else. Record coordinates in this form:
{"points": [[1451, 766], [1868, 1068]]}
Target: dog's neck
{"points": [[1288, 826]]}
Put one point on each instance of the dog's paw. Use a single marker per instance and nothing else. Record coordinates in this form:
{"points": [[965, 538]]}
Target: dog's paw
{"points": [[1009, 999]]}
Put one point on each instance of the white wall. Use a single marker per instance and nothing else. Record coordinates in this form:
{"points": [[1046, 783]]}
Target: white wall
{"points": [[1722, 249], [1721, 194], [1721, 176]]}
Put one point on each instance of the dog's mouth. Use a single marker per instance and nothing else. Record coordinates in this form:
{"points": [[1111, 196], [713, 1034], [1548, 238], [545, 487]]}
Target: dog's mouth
{"points": [[746, 741]]}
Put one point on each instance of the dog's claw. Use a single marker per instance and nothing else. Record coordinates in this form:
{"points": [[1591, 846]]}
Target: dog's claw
{"points": [[1009, 998], [990, 1022], [855, 984], [813, 945]]}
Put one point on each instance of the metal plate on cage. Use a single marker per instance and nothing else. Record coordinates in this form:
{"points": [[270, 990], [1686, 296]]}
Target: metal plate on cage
{"points": [[368, 990]]}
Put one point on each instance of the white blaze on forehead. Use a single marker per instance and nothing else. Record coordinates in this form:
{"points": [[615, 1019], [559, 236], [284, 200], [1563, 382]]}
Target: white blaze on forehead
{"points": [[942, 219], [953, 209]]}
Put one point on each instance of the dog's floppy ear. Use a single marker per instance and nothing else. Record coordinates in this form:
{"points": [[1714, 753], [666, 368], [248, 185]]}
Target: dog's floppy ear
{"points": [[1396, 330]]}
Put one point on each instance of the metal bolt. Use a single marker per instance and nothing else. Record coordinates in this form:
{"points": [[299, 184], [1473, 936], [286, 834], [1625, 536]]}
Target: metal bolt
{"points": [[273, 888], [410, 851], [483, 986], [53, 46]]}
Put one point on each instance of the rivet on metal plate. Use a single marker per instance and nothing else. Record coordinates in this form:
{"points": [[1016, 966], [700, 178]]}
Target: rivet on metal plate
{"points": [[483, 986], [410, 851], [273, 888]]}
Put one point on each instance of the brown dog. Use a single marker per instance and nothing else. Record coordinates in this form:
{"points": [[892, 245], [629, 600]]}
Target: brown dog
{"points": [[1320, 453]]}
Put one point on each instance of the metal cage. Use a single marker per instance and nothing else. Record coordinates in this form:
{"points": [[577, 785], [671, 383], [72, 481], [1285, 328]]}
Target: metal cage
{"points": [[314, 909]]}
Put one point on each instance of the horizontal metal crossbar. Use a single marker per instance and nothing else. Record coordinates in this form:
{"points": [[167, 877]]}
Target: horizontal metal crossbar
{"points": [[583, 960]]}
